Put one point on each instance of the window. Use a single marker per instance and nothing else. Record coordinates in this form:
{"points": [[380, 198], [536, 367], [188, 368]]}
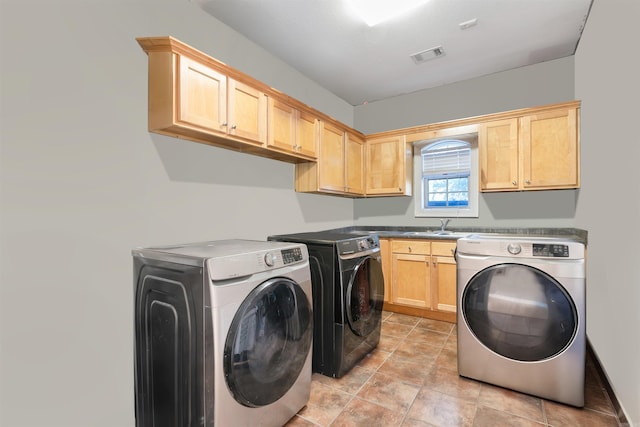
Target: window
{"points": [[445, 177]]}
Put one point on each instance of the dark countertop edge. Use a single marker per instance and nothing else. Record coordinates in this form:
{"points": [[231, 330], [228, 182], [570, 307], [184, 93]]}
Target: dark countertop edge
{"points": [[575, 234]]}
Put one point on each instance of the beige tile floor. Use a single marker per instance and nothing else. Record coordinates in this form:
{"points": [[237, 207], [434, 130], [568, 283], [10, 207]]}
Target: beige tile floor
{"points": [[411, 380]]}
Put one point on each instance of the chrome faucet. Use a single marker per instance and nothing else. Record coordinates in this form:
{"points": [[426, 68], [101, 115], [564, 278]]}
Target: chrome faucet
{"points": [[443, 223]]}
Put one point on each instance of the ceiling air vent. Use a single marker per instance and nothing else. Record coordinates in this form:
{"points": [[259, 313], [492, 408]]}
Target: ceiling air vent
{"points": [[428, 54]]}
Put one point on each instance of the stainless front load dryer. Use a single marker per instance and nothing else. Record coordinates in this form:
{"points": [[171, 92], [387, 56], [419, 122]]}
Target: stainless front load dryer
{"points": [[223, 334], [521, 314]]}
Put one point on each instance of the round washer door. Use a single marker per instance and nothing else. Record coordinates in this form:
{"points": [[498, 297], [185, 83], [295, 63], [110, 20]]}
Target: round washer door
{"points": [[268, 342], [365, 296], [519, 312]]}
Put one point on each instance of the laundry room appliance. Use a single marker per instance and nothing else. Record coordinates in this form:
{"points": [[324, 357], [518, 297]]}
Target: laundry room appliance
{"points": [[521, 314], [223, 333], [348, 293]]}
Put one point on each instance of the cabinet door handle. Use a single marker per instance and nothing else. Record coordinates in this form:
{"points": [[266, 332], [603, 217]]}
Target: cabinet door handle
{"points": [[409, 248], [224, 123], [427, 263], [514, 182], [527, 182], [233, 127]]}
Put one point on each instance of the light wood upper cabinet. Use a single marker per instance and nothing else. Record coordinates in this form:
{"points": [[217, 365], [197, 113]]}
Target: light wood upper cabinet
{"points": [[533, 152], [388, 166], [213, 101], [550, 149], [499, 157], [246, 112], [202, 96], [354, 164], [292, 130], [339, 168], [331, 162], [193, 96]]}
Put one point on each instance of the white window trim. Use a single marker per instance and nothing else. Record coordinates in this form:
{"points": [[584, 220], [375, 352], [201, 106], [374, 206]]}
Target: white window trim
{"points": [[456, 212]]}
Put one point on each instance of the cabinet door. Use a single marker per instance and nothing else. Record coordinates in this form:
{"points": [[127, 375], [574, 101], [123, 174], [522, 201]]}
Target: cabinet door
{"points": [[444, 276], [331, 159], [498, 146], [385, 254], [202, 94], [307, 134], [387, 166], [282, 125], [410, 280], [550, 149], [354, 163], [247, 112]]}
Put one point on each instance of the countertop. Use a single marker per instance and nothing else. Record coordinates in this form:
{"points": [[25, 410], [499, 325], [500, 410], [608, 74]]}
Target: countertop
{"points": [[454, 233]]}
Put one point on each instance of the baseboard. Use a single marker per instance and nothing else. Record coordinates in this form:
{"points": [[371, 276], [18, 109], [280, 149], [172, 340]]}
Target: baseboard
{"points": [[622, 418]]}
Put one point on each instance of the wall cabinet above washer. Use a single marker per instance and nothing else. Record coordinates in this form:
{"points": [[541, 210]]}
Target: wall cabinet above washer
{"points": [[195, 97], [292, 131], [339, 168]]}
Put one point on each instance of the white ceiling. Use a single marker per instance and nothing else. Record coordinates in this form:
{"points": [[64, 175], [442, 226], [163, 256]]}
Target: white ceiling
{"points": [[358, 63]]}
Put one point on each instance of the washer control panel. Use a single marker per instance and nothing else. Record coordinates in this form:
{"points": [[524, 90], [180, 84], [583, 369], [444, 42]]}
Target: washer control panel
{"points": [[547, 250], [358, 246], [291, 255]]}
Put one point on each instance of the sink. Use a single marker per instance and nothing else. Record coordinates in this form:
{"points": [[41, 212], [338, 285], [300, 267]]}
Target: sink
{"points": [[425, 233], [437, 233], [418, 233]]}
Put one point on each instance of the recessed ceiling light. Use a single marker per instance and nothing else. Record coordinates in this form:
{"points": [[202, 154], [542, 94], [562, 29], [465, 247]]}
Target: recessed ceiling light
{"points": [[374, 12], [428, 54]]}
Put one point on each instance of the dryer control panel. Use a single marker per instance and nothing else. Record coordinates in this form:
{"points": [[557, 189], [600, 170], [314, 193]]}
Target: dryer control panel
{"points": [[554, 251], [517, 247]]}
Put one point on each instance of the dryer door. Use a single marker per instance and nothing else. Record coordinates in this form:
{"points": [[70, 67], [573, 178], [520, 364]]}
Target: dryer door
{"points": [[519, 312], [365, 296], [268, 342]]}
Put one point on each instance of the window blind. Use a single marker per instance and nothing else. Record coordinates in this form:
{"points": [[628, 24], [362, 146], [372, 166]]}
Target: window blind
{"points": [[446, 158]]}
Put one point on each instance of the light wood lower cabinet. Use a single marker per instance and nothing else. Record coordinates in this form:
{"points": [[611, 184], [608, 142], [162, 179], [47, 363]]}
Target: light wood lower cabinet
{"points": [[420, 278], [443, 268]]}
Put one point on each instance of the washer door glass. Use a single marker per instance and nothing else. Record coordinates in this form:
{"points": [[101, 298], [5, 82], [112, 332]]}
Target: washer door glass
{"points": [[365, 296], [519, 312], [268, 342]]}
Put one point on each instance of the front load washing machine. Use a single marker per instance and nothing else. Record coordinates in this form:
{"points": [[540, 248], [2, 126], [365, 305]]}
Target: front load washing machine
{"points": [[348, 294], [521, 314], [223, 333]]}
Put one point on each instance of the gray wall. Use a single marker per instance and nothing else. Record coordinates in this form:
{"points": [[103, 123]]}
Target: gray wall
{"points": [[83, 182], [540, 84], [524, 87], [607, 73]]}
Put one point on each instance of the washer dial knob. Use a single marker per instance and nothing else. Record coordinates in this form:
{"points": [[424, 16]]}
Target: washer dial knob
{"points": [[514, 248], [269, 259]]}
